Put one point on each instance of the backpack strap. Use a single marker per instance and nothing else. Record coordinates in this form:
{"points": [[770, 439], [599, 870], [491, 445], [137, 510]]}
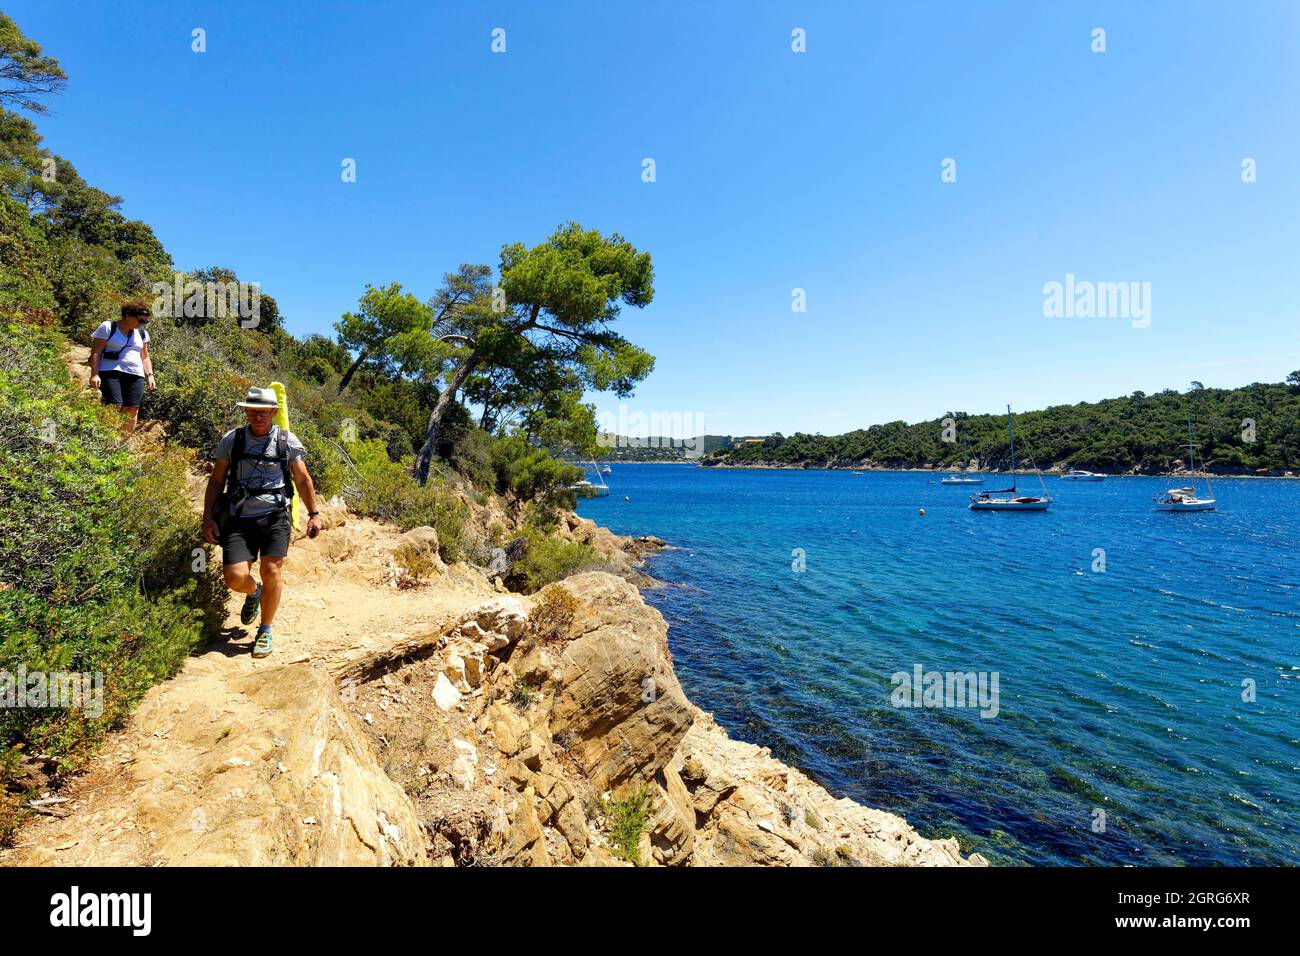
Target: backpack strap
{"points": [[236, 453], [282, 453]]}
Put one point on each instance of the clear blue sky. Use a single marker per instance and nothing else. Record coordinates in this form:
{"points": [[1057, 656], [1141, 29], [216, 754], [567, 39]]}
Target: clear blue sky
{"points": [[775, 170]]}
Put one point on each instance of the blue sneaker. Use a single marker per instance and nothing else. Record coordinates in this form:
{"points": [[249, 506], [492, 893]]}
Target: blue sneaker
{"points": [[252, 604], [262, 646]]}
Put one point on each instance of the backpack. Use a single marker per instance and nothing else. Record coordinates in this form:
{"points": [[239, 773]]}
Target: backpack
{"points": [[130, 340], [235, 492]]}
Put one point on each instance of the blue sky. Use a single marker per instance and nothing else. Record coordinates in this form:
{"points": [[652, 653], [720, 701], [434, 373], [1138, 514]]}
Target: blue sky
{"points": [[775, 171]]}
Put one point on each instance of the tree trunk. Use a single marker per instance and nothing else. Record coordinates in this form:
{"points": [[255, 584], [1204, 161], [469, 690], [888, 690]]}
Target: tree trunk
{"points": [[347, 376], [425, 458]]}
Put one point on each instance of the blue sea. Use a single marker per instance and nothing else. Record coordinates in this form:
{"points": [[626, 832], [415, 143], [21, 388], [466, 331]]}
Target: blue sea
{"points": [[1148, 664]]}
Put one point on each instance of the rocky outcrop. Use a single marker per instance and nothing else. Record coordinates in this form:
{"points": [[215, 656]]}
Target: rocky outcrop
{"points": [[623, 556], [564, 711]]}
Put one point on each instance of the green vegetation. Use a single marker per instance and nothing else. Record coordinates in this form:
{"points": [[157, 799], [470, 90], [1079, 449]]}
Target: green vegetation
{"points": [[625, 821], [553, 612], [1141, 433], [548, 558], [101, 568], [523, 693], [657, 448]]}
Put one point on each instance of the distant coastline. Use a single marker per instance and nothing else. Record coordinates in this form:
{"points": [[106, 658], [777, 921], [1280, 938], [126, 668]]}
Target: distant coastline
{"points": [[948, 470]]}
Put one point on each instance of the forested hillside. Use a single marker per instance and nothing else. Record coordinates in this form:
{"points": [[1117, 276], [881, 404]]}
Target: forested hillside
{"points": [[1144, 434]]}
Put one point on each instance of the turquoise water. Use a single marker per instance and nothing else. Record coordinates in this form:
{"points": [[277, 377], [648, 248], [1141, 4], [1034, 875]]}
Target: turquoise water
{"points": [[1119, 691]]}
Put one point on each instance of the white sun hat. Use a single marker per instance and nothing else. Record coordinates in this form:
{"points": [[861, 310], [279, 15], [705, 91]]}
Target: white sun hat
{"points": [[259, 398]]}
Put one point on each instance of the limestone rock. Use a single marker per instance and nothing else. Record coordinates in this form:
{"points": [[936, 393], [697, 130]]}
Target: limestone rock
{"points": [[187, 804], [445, 695], [465, 764], [615, 690]]}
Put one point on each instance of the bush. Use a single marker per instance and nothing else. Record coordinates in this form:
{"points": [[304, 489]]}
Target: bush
{"points": [[98, 562], [531, 474], [553, 612], [387, 491], [625, 821], [549, 558]]}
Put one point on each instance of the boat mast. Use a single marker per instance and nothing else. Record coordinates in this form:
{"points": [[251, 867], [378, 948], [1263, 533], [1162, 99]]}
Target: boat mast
{"points": [[1012, 435]]}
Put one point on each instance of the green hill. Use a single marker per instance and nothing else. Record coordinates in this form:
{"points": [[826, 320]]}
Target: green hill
{"points": [[1140, 434]]}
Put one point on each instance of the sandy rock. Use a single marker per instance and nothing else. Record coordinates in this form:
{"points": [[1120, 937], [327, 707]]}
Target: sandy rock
{"points": [[753, 810], [454, 669], [500, 615], [616, 692], [186, 803]]}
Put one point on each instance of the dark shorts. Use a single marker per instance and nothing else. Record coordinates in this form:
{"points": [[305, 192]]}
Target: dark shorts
{"points": [[121, 388], [243, 539]]}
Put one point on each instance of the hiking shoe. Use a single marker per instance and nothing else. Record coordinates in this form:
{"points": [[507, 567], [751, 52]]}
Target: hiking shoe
{"points": [[252, 604], [262, 646]]}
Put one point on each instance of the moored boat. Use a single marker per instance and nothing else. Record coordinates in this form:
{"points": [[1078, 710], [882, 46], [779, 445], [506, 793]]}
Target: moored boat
{"points": [[1006, 499], [1187, 499]]}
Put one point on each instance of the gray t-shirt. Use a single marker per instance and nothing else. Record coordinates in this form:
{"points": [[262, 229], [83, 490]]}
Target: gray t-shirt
{"points": [[263, 479]]}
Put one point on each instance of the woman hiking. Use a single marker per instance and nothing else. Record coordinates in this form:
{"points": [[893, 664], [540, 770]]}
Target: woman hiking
{"points": [[120, 366], [248, 506]]}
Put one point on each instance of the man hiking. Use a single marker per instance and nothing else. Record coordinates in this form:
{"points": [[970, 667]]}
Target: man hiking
{"points": [[248, 506]]}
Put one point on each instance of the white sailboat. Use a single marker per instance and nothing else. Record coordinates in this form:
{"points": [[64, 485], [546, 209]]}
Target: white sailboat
{"points": [[963, 477], [591, 489], [1186, 499], [1006, 498]]}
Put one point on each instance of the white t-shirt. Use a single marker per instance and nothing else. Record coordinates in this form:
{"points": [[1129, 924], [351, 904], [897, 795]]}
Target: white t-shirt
{"points": [[131, 361]]}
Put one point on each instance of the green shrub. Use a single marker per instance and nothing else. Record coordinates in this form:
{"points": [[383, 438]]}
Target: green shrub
{"points": [[102, 567], [549, 558], [523, 693], [625, 821], [532, 474], [387, 491]]}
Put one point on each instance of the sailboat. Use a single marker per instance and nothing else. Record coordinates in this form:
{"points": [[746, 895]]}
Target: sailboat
{"points": [[963, 477], [591, 489], [1186, 499], [985, 500]]}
